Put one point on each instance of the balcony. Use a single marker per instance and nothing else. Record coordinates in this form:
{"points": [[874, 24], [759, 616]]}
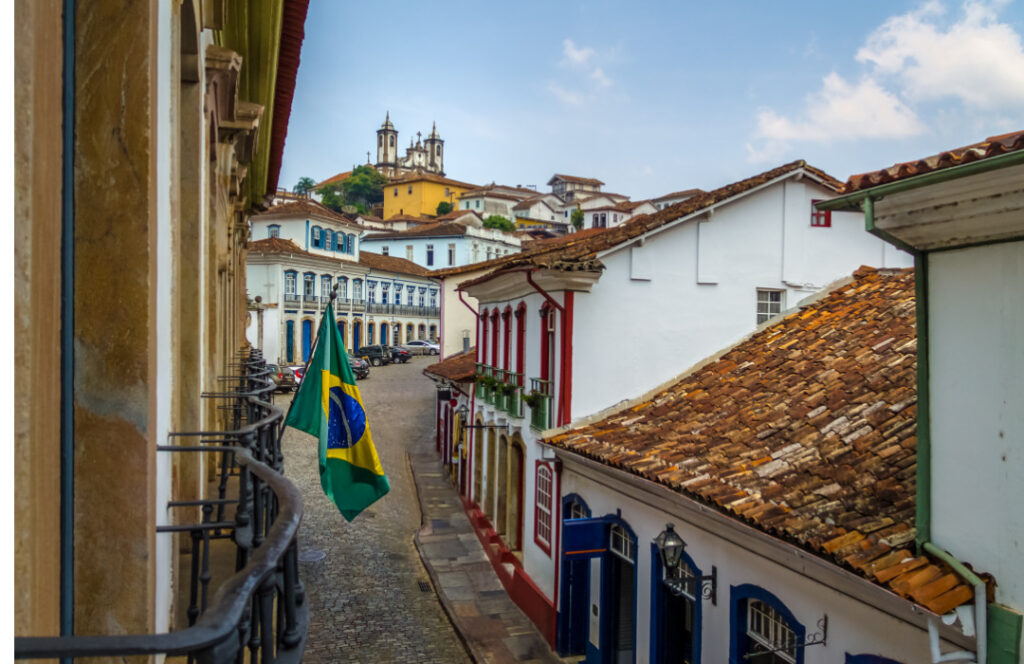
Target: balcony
{"points": [[402, 310], [513, 394], [310, 298], [250, 517], [485, 383], [539, 400], [291, 299]]}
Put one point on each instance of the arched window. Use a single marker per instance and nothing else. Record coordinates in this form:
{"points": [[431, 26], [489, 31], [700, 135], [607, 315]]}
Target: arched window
{"points": [[273, 230], [380, 140], [289, 341], [343, 287], [410, 331], [433, 333], [763, 630], [369, 333], [543, 507], [357, 290], [391, 140], [438, 150], [325, 287], [290, 278]]}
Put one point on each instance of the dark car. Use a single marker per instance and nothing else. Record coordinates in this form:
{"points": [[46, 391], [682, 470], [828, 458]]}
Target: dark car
{"points": [[360, 367], [375, 355], [283, 377], [399, 354]]}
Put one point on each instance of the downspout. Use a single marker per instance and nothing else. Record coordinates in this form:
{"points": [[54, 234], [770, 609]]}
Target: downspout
{"points": [[980, 614], [562, 360], [67, 334]]}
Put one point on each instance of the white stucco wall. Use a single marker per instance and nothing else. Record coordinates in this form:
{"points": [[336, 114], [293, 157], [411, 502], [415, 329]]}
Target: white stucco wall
{"points": [[976, 360], [457, 319], [854, 627], [699, 291]]}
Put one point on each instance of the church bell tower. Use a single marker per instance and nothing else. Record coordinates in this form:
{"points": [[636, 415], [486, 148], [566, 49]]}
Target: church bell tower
{"points": [[435, 152], [387, 147]]}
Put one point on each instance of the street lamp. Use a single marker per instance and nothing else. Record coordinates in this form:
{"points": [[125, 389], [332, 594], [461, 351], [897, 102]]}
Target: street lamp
{"points": [[670, 550]]}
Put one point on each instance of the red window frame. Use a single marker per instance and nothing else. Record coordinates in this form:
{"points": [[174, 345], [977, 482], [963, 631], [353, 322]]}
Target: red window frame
{"points": [[494, 338], [506, 323], [538, 539], [547, 343], [820, 218], [521, 342], [482, 351]]}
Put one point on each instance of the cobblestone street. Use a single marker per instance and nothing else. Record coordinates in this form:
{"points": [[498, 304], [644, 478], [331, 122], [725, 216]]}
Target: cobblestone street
{"points": [[370, 596]]}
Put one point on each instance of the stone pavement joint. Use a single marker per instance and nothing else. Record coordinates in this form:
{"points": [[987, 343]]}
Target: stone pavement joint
{"points": [[493, 628]]}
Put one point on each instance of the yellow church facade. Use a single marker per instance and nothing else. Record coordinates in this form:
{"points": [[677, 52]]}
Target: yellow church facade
{"points": [[419, 195]]}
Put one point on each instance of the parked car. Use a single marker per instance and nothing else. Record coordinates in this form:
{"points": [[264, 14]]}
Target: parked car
{"points": [[422, 347], [298, 370], [399, 354], [375, 355], [360, 367], [283, 377]]}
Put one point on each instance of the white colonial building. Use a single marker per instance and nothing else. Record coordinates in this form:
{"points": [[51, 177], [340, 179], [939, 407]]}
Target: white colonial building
{"points": [[306, 253], [494, 199], [445, 244], [577, 325]]}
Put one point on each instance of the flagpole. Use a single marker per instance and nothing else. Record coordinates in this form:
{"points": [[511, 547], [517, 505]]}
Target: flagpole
{"points": [[312, 349]]}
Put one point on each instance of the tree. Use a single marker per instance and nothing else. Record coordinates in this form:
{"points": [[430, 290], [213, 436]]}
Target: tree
{"points": [[365, 185], [499, 222], [304, 186], [444, 207], [577, 219], [332, 197]]}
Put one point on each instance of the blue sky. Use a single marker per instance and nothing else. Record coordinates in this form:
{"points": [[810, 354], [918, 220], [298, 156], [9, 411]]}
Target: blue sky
{"points": [[654, 97]]}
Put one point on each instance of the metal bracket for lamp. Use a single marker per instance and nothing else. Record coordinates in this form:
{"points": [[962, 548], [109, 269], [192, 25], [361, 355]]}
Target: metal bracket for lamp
{"points": [[686, 587], [818, 638]]}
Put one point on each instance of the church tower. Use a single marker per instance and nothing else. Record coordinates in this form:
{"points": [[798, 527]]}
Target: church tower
{"points": [[387, 147], [435, 152]]}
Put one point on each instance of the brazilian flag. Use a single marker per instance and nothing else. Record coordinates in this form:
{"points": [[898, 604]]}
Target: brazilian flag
{"points": [[329, 407]]}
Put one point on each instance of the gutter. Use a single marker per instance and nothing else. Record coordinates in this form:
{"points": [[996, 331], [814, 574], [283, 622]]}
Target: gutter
{"points": [[980, 614]]}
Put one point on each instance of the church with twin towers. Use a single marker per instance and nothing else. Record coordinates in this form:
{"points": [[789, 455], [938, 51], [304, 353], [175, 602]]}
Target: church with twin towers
{"points": [[423, 156]]}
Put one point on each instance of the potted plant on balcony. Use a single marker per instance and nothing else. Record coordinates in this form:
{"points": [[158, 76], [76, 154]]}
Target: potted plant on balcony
{"points": [[533, 399]]}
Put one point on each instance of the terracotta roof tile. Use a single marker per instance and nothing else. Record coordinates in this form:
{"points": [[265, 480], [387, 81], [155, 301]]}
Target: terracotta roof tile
{"points": [[445, 229], [576, 180], [538, 247], [461, 367], [430, 177], [304, 208], [340, 177], [785, 432], [391, 264], [679, 194], [990, 147], [276, 245]]}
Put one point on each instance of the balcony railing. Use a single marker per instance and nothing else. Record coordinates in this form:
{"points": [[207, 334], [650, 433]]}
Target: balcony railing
{"points": [[310, 298], [402, 310], [291, 298], [262, 607], [513, 391], [540, 414], [484, 378]]}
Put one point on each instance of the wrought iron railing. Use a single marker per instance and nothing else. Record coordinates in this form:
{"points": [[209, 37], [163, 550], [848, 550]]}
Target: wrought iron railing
{"points": [[513, 393], [484, 380], [402, 310], [262, 608]]}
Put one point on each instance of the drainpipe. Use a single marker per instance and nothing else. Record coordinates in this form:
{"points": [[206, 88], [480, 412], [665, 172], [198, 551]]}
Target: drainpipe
{"points": [[565, 362], [67, 334], [980, 614]]}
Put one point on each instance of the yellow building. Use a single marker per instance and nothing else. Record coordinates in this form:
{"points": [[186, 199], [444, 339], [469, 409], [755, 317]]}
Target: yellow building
{"points": [[419, 195]]}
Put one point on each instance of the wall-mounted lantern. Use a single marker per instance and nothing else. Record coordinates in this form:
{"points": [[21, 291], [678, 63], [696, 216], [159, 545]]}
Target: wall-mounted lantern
{"points": [[670, 549]]}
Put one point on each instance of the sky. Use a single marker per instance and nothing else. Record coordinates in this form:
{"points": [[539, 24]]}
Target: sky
{"points": [[654, 97]]}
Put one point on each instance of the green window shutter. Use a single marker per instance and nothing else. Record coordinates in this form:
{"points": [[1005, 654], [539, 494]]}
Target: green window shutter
{"points": [[1004, 630]]}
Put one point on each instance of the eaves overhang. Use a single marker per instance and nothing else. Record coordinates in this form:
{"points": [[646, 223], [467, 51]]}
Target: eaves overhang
{"points": [[976, 203], [503, 286]]}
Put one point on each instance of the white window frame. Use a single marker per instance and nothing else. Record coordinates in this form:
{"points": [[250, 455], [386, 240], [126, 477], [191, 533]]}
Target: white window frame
{"points": [[544, 499], [621, 544], [770, 629], [290, 281], [766, 307]]}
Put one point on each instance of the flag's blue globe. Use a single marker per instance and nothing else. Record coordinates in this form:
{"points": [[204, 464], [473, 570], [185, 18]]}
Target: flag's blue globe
{"points": [[346, 420]]}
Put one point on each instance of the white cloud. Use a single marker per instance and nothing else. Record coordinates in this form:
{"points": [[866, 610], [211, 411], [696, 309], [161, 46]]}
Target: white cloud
{"points": [[576, 56], [566, 96], [584, 78], [977, 59], [598, 77], [840, 110], [911, 59]]}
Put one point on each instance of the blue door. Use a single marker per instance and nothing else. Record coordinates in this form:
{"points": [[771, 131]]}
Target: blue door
{"points": [[289, 341], [357, 329], [307, 339], [573, 615]]}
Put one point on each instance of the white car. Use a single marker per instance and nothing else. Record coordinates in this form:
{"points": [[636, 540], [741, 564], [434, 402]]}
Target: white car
{"points": [[422, 347]]}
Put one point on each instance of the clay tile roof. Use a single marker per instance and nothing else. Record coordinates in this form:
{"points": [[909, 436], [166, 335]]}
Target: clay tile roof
{"points": [[391, 264], [806, 430], [582, 254], [446, 229], [577, 180], [529, 202], [275, 245], [430, 177], [461, 367], [340, 177], [536, 250], [990, 147], [679, 194], [304, 208], [456, 214]]}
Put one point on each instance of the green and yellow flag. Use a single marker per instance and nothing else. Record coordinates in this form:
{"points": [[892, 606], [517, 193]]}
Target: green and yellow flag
{"points": [[329, 407]]}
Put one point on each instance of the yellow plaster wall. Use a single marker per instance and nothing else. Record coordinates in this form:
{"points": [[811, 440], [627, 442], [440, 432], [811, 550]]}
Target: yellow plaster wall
{"points": [[423, 200]]}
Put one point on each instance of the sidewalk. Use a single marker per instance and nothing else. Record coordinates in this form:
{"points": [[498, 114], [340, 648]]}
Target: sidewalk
{"points": [[494, 629]]}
